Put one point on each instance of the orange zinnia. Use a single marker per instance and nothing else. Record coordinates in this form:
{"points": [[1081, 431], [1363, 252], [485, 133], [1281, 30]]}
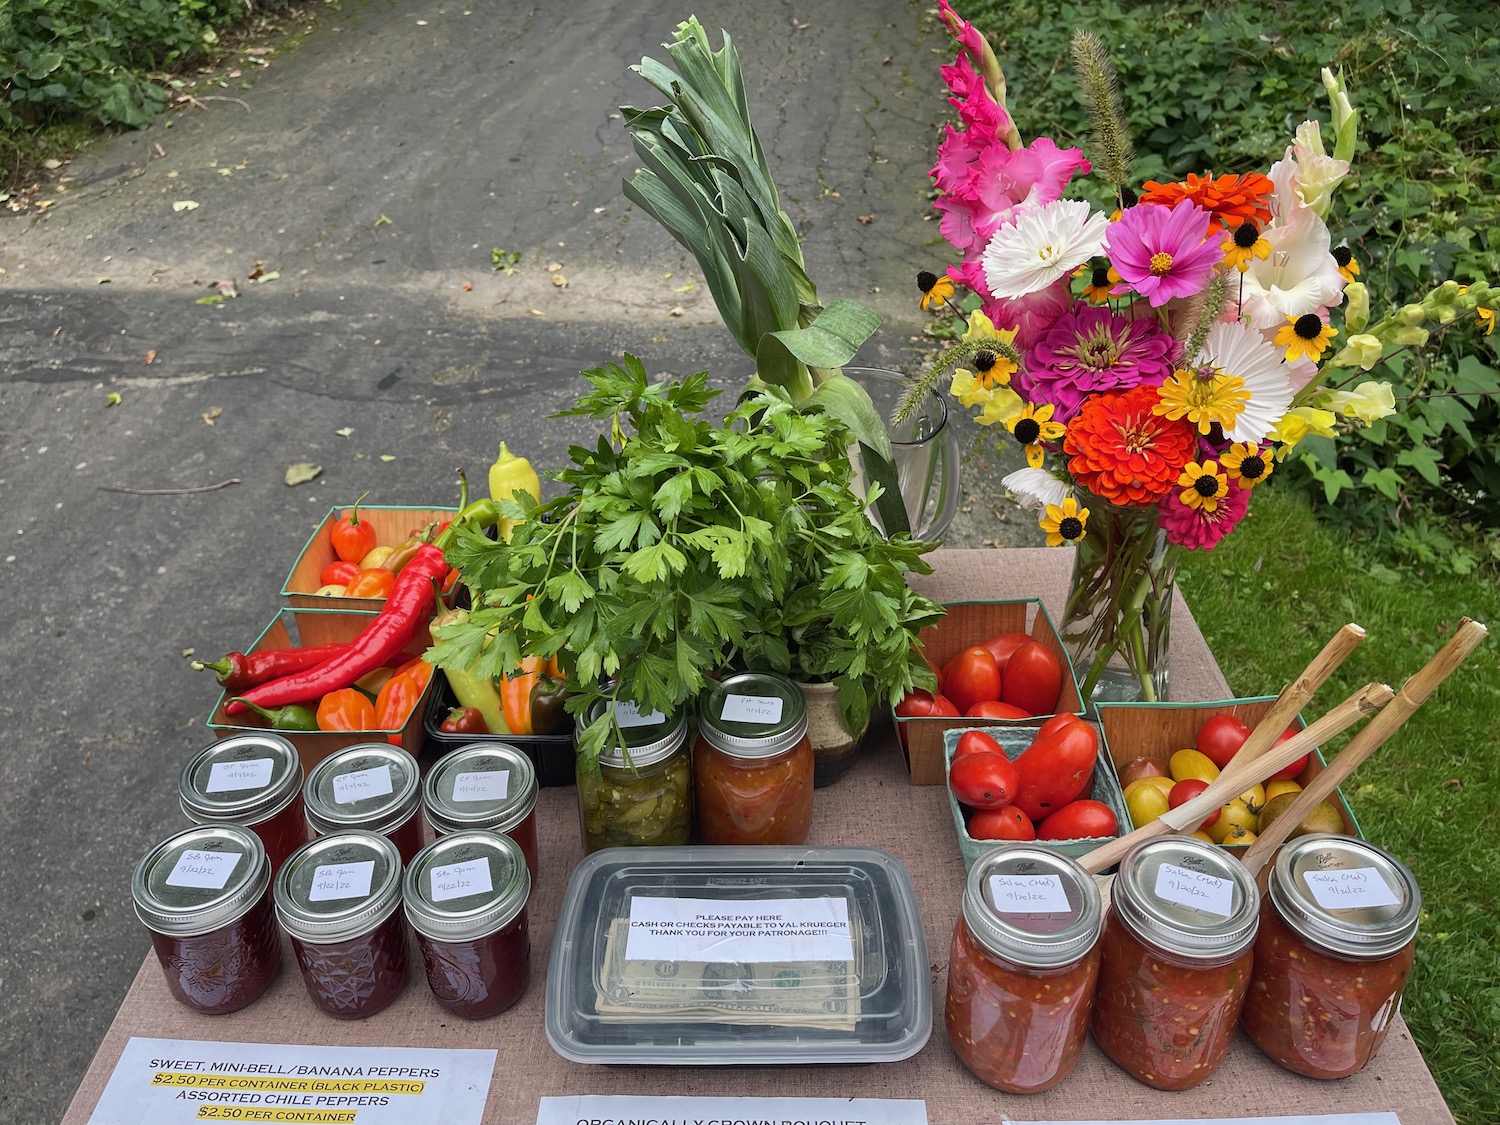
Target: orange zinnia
{"points": [[1233, 197], [1122, 451]]}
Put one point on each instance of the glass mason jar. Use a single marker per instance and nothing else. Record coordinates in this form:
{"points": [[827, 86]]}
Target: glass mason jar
{"points": [[486, 785], [374, 787], [465, 896], [249, 779], [753, 763], [205, 895], [1176, 956], [339, 898], [1022, 969], [1337, 939], [642, 793]]}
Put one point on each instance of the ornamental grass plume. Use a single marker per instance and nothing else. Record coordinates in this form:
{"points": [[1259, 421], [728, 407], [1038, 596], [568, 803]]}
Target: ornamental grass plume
{"points": [[1101, 89]]}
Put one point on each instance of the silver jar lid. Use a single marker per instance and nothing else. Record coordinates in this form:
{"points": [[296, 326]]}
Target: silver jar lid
{"points": [[483, 785], [466, 886], [200, 879], [650, 736], [1188, 897], [247, 779], [1345, 895], [338, 887], [1032, 906], [373, 786], [753, 715]]}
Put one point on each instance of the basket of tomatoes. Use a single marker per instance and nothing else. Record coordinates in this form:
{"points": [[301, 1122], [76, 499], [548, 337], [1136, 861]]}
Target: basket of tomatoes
{"points": [[354, 555]]}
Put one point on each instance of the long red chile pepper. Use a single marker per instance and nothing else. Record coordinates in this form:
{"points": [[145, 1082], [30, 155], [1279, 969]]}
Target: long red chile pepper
{"points": [[408, 605], [239, 670]]}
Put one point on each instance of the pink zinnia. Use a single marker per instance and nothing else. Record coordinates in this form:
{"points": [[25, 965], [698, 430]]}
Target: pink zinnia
{"points": [[1200, 530], [1090, 349], [1163, 252]]}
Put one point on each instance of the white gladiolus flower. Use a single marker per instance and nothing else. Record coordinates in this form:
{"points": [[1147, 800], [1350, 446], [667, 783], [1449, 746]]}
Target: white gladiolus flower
{"points": [[1299, 277]]}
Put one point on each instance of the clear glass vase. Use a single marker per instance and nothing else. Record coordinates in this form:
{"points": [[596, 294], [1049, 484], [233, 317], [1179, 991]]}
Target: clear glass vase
{"points": [[1118, 620]]}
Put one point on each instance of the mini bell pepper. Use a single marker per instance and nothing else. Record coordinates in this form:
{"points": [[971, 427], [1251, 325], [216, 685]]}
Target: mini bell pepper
{"points": [[346, 709], [352, 538], [375, 557], [338, 574], [515, 695], [533, 700], [548, 711], [464, 720], [397, 700], [508, 475], [291, 717], [375, 582]]}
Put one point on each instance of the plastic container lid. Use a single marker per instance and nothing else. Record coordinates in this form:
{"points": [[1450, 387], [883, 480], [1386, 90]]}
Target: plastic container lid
{"points": [[465, 886], [753, 715], [482, 785], [338, 887], [738, 956], [1188, 897], [1032, 906], [200, 879], [650, 737], [373, 786], [1345, 895], [247, 779]]}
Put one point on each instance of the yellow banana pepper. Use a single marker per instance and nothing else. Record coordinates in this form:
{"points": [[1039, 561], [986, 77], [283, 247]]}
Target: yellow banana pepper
{"points": [[509, 474]]}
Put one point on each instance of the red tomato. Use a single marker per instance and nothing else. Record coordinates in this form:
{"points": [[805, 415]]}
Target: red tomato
{"points": [[1079, 820], [1296, 767], [975, 742], [338, 573], [1004, 645], [919, 704], [1056, 769], [1033, 679], [993, 709], [1056, 723], [971, 677], [1221, 737], [983, 781], [1185, 791], [1008, 823]]}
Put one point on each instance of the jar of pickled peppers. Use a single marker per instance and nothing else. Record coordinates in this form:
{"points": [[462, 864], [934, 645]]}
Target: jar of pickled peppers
{"points": [[642, 793], [753, 763], [249, 779], [371, 787]]}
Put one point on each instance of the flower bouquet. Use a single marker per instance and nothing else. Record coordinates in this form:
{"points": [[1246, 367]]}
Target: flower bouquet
{"points": [[1156, 358]]}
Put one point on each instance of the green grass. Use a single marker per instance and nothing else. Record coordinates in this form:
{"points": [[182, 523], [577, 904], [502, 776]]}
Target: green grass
{"points": [[1267, 599]]}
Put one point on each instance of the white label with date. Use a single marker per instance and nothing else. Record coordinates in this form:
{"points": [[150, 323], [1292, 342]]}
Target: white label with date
{"points": [[1352, 888], [227, 777], [484, 785], [333, 881], [629, 714], [781, 929], [458, 880], [1028, 894], [1197, 889], [207, 871], [362, 785], [762, 710]]}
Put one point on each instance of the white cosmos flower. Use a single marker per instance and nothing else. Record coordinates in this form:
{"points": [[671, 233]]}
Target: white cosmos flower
{"points": [[1238, 349], [1035, 488], [1044, 244], [1299, 276]]}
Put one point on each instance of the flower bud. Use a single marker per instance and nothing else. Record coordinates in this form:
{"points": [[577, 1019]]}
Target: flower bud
{"points": [[1415, 337], [1345, 118], [1411, 315], [1362, 351], [1356, 306]]}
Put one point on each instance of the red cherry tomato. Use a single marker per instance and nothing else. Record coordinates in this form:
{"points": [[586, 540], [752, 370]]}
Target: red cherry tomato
{"points": [[1079, 820], [1008, 823], [1056, 769], [1056, 723], [983, 781], [993, 709], [975, 742], [1221, 737], [1185, 791], [971, 677], [338, 573], [1003, 646], [1033, 679], [1291, 771]]}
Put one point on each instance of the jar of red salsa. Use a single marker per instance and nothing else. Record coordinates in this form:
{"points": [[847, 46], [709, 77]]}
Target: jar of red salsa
{"points": [[1176, 956], [485, 785], [249, 779], [642, 793], [1022, 968], [339, 900], [205, 895], [753, 763], [1337, 938], [374, 787], [465, 896]]}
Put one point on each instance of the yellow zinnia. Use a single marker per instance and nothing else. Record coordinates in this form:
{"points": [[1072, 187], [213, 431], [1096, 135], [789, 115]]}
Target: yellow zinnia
{"points": [[1203, 397]]}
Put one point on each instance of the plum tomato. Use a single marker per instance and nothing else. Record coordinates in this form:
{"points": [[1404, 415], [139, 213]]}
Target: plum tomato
{"points": [[983, 781], [1033, 679], [1220, 738], [1286, 773], [971, 677], [919, 704], [994, 709], [1185, 791], [1079, 820], [1056, 723], [1056, 769], [975, 742], [1008, 823], [1003, 646]]}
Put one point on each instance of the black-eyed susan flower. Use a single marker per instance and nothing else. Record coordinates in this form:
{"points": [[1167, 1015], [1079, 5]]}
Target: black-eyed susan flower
{"points": [[1032, 426], [1347, 263], [935, 289], [1065, 522], [1101, 283], [1247, 463], [1204, 396], [1305, 335], [1203, 486], [1244, 243]]}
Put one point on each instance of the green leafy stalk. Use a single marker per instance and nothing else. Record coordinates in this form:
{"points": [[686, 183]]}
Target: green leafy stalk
{"points": [[1101, 88]]}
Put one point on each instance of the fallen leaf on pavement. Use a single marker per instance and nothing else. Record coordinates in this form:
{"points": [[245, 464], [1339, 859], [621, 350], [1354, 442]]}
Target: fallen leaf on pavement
{"points": [[112, 399], [799, 25], [467, 286], [150, 357], [210, 415], [345, 432], [560, 281], [867, 219], [188, 652], [159, 150], [185, 205], [553, 267], [688, 288], [387, 457], [384, 221], [301, 473], [267, 277], [534, 312], [228, 287], [676, 310]]}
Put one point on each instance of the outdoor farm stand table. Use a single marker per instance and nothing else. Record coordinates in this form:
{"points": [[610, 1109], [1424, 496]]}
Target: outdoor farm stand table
{"points": [[874, 805]]}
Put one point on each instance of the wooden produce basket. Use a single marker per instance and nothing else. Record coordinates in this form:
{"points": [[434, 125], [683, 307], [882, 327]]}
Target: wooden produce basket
{"points": [[392, 524], [968, 624], [298, 627], [1158, 730]]}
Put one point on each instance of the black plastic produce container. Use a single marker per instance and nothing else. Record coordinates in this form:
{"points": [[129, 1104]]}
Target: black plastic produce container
{"points": [[551, 754]]}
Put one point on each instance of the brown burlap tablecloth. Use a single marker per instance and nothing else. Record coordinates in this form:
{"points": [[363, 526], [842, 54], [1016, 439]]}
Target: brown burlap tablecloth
{"points": [[875, 806]]}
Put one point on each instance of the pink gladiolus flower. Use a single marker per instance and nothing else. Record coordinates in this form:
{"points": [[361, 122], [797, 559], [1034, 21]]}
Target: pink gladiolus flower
{"points": [[1198, 529], [1164, 252], [1006, 181], [1030, 315]]}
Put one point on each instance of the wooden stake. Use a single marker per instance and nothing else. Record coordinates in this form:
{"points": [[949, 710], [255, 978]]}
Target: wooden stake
{"points": [[1297, 693]]}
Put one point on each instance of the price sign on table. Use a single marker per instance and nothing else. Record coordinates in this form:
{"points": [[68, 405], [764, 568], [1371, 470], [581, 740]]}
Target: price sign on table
{"points": [[692, 1111]]}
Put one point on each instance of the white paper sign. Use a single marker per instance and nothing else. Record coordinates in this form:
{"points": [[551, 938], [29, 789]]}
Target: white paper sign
{"points": [[334, 881], [227, 777], [1028, 894], [728, 1111], [696, 929], [484, 785], [207, 871], [1350, 889], [459, 880], [362, 784], [628, 714], [762, 710], [1197, 889], [176, 1082], [1315, 1119]]}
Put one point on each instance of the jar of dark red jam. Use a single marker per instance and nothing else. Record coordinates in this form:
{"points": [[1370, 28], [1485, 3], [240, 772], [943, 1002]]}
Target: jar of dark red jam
{"points": [[485, 785], [205, 895], [249, 779], [753, 763], [1023, 966], [339, 899], [374, 787], [642, 793], [1337, 937], [465, 895], [1176, 956]]}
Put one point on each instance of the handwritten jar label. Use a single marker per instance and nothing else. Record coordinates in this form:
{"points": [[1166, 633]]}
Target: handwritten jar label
{"points": [[484, 785], [762, 710], [459, 880], [227, 777], [362, 785], [334, 881], [1028, 894], [1352, 888], [207, 871], [695, 929], [1197, 889], [629, 714]]}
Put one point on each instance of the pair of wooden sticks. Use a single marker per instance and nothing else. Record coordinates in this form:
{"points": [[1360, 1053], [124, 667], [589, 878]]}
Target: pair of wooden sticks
{"points": [[1258, 759]]}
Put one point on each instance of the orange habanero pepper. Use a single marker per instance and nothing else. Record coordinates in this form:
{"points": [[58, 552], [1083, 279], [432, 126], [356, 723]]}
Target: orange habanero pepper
{"points": [[346, 709], [395, 703]]}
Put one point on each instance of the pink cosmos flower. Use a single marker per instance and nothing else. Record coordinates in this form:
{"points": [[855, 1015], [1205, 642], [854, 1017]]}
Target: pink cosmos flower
{"points": [[1197, 529], [1091, 349], [1163, 252]]}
